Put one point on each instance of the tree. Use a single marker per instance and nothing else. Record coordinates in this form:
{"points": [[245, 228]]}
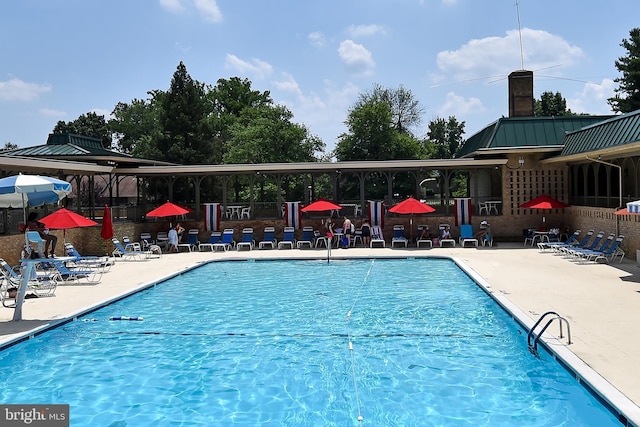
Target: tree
{"points": [[185, 138], [551, 105], [90, 124], [8, 146], [444, 138], [627, 96], [135, 121]]}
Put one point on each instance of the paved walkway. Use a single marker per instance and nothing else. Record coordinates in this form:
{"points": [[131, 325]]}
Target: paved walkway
{"points": [[601, 302]]}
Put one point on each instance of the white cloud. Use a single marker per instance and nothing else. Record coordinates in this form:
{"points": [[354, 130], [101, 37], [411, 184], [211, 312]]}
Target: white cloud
{"points": [[456, 105], [47, 112], [592, 99], [18, 90], [493, 56], [356, 57], [317, 39], [173, 6], [210, 10], [356, 31], [256, 68]]}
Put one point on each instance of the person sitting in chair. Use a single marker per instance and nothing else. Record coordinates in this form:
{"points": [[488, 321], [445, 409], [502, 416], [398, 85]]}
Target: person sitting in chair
{"points": [[49, 239], [484, 229], [446, 233]]}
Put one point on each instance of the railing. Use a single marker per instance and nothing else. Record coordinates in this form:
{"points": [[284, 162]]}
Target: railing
{"points": [[532, 338]]}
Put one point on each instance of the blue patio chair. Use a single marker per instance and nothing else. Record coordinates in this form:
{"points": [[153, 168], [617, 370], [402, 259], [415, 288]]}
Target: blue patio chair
{"points": [[307, 238], [398, 236], [467, 236], [268, 239], [192, 242], [226, 242], [581, 253], [214, 238], [288, 240], [247, 241]]}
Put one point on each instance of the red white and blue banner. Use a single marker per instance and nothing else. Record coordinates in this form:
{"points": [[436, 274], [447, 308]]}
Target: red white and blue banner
{"points": [[212, 213], [376, 213], [462, 210], [292, 214]]}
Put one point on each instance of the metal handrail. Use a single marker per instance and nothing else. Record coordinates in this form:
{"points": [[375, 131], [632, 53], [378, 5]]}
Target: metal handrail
{"points": [[533, 345]]}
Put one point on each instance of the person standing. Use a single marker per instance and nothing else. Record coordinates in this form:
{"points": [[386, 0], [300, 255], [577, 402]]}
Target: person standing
{"points": [[347, 229], [173, 239], [366, 232]]}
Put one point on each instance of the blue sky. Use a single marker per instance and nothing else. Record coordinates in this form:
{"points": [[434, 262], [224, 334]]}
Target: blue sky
{"points": [[63, 58]]}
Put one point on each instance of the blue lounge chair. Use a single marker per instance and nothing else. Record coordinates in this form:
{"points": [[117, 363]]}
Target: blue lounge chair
{"points": [[92, 262], [226, 242], [41, 285], [581, 244], [69, 276], [307, 238], [398, 236], [593, 246], [192, 243], [467, 236], [543, 246], [214, 238], [120, 251], [586, 254], [288, 240], [269, 238], [247, 241], [609, 254]]}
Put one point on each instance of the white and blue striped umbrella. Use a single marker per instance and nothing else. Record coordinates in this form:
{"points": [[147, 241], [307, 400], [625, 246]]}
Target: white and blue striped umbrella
{"points": [[20, 191]]}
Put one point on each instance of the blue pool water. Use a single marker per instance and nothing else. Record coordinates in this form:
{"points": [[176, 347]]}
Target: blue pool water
{"points": [[269, 343]]}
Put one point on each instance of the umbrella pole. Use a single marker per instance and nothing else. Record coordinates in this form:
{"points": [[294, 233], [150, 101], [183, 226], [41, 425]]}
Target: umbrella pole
{"points": [[329, 249]]}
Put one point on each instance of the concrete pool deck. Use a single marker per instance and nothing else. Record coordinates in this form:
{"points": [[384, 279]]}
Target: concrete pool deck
{"points": [[601, 302]]}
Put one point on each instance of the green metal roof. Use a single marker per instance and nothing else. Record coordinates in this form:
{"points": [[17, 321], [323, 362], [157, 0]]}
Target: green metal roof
{"points": [[68, 145], [521, 132], [615, 132]]}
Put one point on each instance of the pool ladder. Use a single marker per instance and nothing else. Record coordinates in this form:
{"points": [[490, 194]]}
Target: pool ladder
{"points": [[532, 338]]}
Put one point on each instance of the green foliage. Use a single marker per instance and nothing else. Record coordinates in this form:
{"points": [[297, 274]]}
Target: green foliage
{"points": [[627, 96], [444, 138], [89, 124], [133, 122], [551, 105], [8, 146]]}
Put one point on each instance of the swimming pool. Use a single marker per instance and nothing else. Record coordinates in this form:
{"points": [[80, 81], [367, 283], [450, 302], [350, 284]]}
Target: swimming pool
{"points": [[268, 343]]}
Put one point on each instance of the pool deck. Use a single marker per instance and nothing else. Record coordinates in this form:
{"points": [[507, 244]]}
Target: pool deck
{"points": [[601, 302]]}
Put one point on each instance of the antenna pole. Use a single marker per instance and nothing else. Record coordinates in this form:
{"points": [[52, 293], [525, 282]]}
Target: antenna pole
{"points": [[520, 34]]}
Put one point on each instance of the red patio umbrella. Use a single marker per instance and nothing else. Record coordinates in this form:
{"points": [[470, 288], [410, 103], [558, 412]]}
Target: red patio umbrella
{"points": [[106, 231], [63, 218], [544, 202], [411, 206], [321, 205], [168, 209]]}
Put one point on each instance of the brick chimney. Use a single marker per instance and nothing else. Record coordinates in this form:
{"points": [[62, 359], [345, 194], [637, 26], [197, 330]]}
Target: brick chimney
{"points": [[521, 93]]}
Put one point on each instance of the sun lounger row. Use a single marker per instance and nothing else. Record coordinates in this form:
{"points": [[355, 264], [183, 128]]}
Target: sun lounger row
{"points": [[586, 249]]}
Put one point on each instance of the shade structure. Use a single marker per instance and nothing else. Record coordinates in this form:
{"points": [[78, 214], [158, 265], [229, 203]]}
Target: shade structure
{"points": [[20, 191], [625, 211], [544, 201], [106, 231], [321, 205], [63, 218], [411, 206], [168, 209]]}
